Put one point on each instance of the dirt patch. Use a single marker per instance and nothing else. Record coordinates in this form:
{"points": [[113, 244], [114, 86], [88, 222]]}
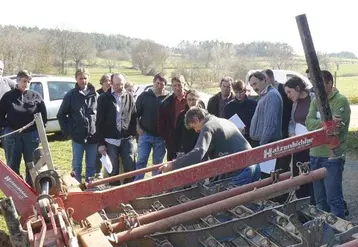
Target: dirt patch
{"points": [[350, 185]]}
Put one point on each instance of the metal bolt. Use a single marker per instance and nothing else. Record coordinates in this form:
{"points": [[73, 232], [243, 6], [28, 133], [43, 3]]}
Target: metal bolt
{"points": [[349, 226], [210, 220], [264, 243], [331, 219], [238, 211], [313, 210], [249, 233], [212, 243]]}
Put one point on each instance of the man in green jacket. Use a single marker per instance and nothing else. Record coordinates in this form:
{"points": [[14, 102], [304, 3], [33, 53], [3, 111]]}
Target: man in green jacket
{"points": [[328, 191]]}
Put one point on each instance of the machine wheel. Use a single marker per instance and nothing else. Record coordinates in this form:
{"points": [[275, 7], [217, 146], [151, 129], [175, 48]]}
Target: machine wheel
{"points": [[4, 239]]}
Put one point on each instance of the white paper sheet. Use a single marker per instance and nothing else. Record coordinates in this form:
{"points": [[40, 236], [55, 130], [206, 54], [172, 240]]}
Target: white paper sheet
{"points": [[300, 129], [106, 162], [235, 119], [268, 166]]}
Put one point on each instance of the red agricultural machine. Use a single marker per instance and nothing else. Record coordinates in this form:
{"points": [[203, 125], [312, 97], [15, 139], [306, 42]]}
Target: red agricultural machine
{"points": [[178, 208]]}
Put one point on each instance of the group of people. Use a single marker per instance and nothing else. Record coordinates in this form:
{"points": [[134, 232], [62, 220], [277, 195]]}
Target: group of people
{"points": [[111, 122]]}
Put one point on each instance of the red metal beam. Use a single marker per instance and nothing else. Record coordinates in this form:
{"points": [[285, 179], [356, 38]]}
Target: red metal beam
{"points": [[256, 195], [181, 208], [13, 186], [353, 243], [97, 200], [122, 176]]}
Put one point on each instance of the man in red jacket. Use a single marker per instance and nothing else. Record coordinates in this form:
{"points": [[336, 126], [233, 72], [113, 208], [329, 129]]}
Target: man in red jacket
{"points": [[169, 110]]}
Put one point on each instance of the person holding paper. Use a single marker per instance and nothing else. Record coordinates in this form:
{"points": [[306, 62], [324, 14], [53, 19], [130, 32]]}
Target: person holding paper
{"points": [[217, 137], [116, 126], [297, 92], [243, 107]]}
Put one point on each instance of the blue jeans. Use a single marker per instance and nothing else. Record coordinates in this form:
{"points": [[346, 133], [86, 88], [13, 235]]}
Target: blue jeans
{"points": [[328, 191], [145, 144], [125, 154], [248, 175], [19, 144], [78, 150]]}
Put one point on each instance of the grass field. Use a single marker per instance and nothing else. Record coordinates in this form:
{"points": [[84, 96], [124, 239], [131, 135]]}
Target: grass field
{"points": [[61, 149]]}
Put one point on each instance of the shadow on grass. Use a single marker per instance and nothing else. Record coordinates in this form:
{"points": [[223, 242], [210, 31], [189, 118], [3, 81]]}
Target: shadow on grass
{"points": [[56, 138]]}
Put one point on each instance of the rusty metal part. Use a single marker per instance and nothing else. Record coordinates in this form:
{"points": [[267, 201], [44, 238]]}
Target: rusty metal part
{"points": [[259, 194], [164, 213], [97, 200], [122, 176], [353, 243], [12, 185]]}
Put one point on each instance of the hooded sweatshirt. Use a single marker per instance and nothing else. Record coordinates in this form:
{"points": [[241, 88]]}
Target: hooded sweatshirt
{"points": [[340, 107]]}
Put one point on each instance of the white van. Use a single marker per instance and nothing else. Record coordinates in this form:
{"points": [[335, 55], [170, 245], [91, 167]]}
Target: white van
{"points": [[281, 76]]}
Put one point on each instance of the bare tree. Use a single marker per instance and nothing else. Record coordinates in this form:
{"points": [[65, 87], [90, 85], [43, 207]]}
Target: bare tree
{"points": [[280, 55], [11, 46], [81, 47], [111, 58], [221, 58], [61, 40], [324, 60], [147, 55]]}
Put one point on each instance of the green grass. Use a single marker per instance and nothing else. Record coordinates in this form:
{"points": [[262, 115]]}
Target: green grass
{"points": [[348, 87]]}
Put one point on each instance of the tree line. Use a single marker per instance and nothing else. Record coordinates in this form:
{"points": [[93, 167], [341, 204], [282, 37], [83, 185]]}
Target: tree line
{"points": [[41, 50]]}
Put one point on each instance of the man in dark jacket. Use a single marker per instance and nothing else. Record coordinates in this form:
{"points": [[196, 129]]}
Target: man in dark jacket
{"points": [[105, 82], [217, 102], [116, 126], [77, 118], [147, 106], [242, 106], [168, 112], [17, 109], [218, 137]]}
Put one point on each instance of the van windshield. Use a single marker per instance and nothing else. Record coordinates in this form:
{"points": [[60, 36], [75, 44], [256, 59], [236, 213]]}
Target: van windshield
{"points": [[58, 89]]}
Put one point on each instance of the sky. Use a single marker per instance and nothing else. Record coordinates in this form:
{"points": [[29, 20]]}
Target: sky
{"points": [[333, 24]]}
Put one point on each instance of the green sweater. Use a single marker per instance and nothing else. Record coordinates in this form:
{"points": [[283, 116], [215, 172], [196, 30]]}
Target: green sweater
{"points": [[340, 107]]}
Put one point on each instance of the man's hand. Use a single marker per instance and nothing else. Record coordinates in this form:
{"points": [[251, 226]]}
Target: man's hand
{"points": [[166, 168], [338, 121], [140, 131], [102, 149]]}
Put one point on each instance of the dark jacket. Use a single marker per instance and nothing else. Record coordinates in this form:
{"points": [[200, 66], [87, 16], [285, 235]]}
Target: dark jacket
{"points": [[218, 137], [286, 110], [106, 126], [166, 120], [77, 115], [185, 139], [17, 109], [147, 106], [101, 91], [244, 109], [213, 103]]}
